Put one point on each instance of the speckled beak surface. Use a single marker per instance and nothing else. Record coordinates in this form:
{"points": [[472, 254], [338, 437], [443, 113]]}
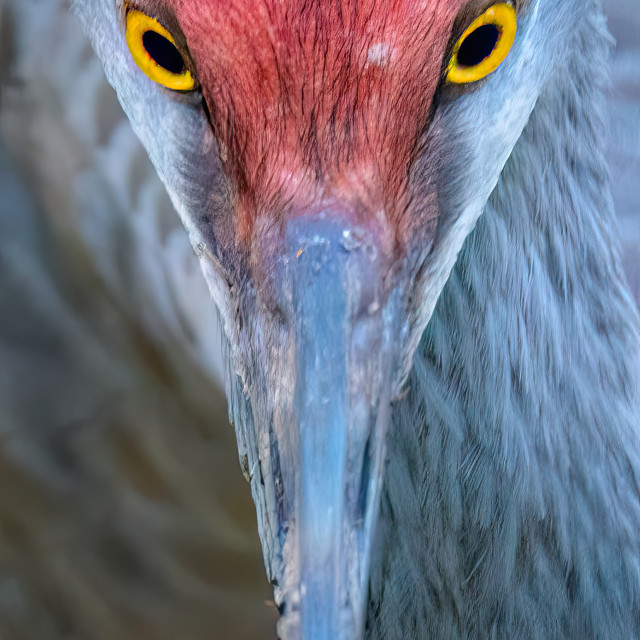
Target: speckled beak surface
{"points": [[327, 453]]}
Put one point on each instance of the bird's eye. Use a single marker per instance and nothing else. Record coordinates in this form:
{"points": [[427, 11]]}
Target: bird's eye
{"points": [[154, 50], [484, 45]]}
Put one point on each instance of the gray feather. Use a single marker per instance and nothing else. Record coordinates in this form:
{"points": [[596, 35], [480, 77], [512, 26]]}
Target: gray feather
{"points": [[512, 491]]}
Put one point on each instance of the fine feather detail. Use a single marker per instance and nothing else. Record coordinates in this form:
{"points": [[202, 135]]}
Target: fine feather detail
{"points": [[512, 507]]}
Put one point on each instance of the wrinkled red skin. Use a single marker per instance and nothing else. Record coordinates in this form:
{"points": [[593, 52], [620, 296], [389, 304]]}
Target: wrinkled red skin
{"points": [[318, 101]]}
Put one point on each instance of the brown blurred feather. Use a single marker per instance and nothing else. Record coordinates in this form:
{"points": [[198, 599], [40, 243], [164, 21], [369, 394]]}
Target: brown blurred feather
{"points": [[123, 512]]}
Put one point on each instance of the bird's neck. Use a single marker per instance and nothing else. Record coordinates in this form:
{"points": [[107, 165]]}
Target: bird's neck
{"points": [[521, 420]]}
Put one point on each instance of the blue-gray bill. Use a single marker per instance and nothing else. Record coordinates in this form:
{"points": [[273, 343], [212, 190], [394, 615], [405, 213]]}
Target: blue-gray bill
{"points": [[344, 331]]}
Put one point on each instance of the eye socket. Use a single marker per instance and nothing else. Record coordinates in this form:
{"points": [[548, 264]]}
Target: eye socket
{"points": [[154, 50], [484, 45]]}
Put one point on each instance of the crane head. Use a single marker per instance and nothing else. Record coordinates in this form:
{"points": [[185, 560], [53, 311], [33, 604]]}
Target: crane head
{"points": [[328, 160]]}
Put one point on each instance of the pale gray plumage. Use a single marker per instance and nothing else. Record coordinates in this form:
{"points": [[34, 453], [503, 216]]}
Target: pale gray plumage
{"points": [[517, 481], [511, 501]]}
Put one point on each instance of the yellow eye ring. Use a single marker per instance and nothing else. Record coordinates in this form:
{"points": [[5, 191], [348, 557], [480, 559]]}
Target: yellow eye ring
{"points": [[484, 45], [154, 50]]}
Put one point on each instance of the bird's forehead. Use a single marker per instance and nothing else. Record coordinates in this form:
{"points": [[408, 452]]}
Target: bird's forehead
{"points": [[329, 91], [278, 19]]}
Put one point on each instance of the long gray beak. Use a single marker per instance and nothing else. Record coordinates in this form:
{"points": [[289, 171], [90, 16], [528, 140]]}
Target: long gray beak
{"points": [[344, 329]]}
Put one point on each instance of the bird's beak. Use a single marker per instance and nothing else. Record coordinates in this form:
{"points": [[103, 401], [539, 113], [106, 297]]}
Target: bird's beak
{"points": [[344, 328]]}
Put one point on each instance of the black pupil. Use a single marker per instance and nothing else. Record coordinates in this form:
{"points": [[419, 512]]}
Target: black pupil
{"points": [[478, 45], [163, 52]]}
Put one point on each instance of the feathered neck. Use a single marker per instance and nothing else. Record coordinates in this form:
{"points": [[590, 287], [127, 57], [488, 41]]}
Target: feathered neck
{"points": [[512, 494]]}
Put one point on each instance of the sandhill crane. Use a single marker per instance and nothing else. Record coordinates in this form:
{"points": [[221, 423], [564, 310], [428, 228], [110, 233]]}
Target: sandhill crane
{"points": [[404, 217]]}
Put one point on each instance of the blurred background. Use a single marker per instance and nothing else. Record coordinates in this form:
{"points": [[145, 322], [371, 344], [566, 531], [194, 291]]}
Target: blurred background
{"points": [[123, 510]]}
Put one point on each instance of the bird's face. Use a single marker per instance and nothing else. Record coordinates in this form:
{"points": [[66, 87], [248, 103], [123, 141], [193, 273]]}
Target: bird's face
{"points": [[328, 164]]}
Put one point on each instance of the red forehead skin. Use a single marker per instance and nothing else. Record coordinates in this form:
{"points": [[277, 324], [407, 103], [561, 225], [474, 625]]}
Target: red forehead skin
{"points": [[318, 100]]}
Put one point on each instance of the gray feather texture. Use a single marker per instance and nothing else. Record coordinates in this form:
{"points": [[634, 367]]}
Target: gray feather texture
{"points": [[623, 130], [516, 482]]}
